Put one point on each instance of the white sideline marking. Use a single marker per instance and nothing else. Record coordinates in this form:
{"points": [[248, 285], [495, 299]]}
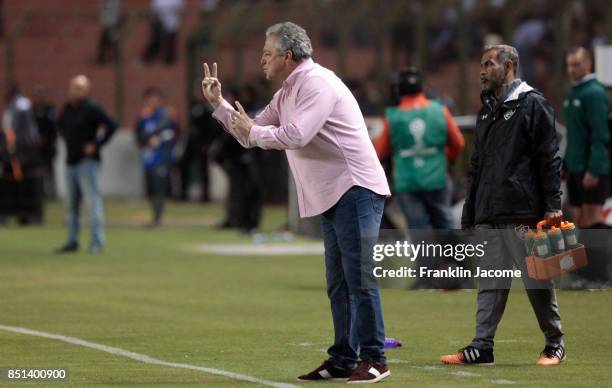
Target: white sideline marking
{"points": [[426, 367], [464, 374], [503, 382], [143, 357], [461, 373]]}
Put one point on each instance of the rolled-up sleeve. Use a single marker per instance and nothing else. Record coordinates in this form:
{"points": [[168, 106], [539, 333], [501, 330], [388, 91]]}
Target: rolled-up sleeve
{"points": [[314, 103]]}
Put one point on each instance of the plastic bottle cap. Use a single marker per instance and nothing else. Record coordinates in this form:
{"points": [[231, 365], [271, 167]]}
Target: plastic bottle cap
{"points": [[567, 225], [540, 235]]}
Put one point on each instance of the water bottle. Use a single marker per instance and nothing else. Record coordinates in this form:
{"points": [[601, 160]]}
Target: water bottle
{"points": [[542, 244], [529, 234], [570, 234], [555, 236]]}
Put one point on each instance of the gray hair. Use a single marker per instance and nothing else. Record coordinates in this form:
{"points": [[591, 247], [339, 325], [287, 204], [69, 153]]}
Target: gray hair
{"points": [[505, 53], [291, 37]]}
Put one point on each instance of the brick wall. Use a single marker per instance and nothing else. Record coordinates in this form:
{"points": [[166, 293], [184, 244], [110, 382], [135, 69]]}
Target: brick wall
{"points": [[60, 40]]}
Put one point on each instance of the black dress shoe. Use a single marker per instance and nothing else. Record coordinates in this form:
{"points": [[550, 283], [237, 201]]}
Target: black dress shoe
{"points": [[68, 248]]}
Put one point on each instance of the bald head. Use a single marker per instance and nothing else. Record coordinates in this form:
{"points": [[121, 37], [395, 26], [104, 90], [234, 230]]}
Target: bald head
{"points": [[579, 63], [79, 88]]}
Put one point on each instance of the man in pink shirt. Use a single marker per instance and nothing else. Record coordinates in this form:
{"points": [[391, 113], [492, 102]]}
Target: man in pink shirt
{"points": [[316, 119]]}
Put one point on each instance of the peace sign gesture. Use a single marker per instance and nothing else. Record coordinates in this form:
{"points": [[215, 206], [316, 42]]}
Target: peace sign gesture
{"points": [[211, 87]]}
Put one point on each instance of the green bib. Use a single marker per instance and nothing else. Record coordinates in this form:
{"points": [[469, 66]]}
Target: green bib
{"points": [[418, 138]]}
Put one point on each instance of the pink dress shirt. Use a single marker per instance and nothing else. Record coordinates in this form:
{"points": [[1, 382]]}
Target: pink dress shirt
{"points": [[316, 119]]}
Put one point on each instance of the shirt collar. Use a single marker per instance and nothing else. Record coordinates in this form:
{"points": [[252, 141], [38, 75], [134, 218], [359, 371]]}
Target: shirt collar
{"points": [[306, 64], [509, 88], [584, 79]]}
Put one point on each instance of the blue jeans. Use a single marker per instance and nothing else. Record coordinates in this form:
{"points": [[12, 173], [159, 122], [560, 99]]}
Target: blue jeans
{"points": [[425, 209], [83, 181], [350, 230]]}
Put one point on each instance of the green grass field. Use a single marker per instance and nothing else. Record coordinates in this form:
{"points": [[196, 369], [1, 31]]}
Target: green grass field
{"points": [[266, 317]]}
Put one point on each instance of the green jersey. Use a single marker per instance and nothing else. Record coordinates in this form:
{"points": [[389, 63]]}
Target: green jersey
{"points": [[586, 115], [418, 138]]}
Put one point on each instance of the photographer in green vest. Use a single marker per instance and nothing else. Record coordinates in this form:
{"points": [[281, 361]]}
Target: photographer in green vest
{"points": [[421, 137]]}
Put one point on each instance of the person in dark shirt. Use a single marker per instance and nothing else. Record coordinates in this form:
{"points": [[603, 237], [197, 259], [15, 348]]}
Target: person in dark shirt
{"points": [[586, 163], [203, 130], [514, 181], [85, 128], [156, 132], [20, 162], [46, 120]]}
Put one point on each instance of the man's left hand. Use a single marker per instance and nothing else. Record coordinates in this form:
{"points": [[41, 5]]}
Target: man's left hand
{"points": [[553, 218], [241, 122]]}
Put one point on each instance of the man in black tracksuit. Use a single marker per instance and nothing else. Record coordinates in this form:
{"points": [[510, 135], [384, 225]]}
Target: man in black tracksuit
{"points": [[514, 180]]}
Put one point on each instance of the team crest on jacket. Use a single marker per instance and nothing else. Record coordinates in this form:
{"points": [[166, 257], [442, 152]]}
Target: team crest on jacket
{"points": [[509, 114]]}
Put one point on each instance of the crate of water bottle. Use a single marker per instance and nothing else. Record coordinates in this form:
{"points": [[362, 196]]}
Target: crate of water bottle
{"points": [[553, 251]]}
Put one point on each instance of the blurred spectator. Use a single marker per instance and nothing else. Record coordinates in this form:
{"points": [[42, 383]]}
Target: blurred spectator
{"points": [[586, 162], [443, 38], [165, 23], [85, 127], [110, 23], [156, 130], [526, 38], [244, 201], [46, 120], [20, 175], [420, 135], [402, 46], [203, 131]]}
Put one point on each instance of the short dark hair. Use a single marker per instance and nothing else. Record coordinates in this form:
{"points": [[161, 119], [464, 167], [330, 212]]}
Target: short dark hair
{"points": [[409, 81], [586, 53]]}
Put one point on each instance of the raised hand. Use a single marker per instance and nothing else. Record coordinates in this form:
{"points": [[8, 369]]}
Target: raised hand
{"points": [[211, 87], [241, 122]]}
